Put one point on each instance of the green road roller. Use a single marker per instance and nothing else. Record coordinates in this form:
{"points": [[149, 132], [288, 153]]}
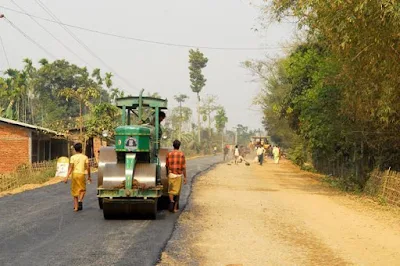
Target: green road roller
{"points": [[131, 176]]}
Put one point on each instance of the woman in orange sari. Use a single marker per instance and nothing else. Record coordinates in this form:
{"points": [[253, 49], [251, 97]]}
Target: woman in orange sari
{"points": [[78, 164]]}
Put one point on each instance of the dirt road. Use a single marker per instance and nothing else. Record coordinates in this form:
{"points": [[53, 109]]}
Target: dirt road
{"points": [[278, 215]]}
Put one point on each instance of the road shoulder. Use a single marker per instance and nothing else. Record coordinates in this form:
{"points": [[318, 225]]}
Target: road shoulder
{"points": [[277, 214]]}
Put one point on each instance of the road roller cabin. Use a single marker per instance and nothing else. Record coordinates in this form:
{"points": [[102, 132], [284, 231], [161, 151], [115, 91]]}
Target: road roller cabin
{"points": [[132, 173]]}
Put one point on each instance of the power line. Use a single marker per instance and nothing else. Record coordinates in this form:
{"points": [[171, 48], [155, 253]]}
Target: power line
{"points": [[155, 42], [4, 50], [29, 38], [48, 11], [51, 34]]}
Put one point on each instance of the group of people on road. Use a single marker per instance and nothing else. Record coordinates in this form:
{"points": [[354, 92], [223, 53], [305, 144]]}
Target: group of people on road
{"points": [[274, 151], [261, 150]]}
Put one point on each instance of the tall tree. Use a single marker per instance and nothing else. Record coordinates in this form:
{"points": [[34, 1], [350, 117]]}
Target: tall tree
{"points": [[180, 98], [83, 96], [103, 116], [208, 107], [30, 77], [116, 93], [197, 61], [16, 94], [220, 122], [97, 75], [108, 80], [178, 118]]}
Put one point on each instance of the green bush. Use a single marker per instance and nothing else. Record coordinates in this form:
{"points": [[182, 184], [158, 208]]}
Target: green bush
{"points": [[347, 184], [296, 155]]}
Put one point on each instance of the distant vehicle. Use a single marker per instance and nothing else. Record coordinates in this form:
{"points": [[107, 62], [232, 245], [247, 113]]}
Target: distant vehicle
{"points": [[257, 140]]}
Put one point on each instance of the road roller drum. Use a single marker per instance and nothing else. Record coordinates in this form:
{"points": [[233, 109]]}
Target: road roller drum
{"points": [[164, 179], [107, 155]]}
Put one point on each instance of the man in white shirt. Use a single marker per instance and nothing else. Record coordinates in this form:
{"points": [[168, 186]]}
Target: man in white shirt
{"points": [[236, 154], [260, 154]]}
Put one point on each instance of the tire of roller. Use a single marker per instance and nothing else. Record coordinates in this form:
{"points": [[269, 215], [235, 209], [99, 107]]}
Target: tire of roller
{"points": [[100, 203], [148, 209]]}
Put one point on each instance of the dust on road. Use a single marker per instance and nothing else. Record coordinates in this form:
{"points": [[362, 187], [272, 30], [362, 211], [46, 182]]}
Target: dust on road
{"points": [[278, 215]]}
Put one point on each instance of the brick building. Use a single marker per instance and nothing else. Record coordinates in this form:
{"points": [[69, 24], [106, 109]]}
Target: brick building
{"points": [[22, 143]]}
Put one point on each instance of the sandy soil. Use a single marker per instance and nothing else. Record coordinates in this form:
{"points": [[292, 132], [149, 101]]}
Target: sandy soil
{"points": [[279, 215]]}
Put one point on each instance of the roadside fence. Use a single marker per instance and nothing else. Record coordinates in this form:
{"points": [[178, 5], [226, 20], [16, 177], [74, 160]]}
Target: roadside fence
{"points": [[35, 173], [385, 184]]}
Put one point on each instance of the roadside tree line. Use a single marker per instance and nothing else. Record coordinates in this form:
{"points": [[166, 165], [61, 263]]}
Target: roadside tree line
{"points": [[334, 99], [63, 96]]}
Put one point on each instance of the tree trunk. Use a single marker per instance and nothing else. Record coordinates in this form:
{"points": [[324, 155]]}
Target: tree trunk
{"points": [[209, 125], [180, 121], [80, 121], [25, 109], [198, 118], [222, 139], [32, 113], [17, 109]]}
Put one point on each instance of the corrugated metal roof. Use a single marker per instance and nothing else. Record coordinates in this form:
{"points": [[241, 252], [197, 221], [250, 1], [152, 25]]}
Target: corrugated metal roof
{"points": [[21, 124]]}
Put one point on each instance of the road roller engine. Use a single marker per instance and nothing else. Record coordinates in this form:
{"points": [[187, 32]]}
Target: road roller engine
{"points": [[131, 173]]}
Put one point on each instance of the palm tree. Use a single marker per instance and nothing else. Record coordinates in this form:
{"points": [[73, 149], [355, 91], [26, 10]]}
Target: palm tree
{"points": [[208, 107], [83, 96], [108, 80], [116, 93], [16, 93], [30, 73], [220, 122], [97, 75], [180, 98]]}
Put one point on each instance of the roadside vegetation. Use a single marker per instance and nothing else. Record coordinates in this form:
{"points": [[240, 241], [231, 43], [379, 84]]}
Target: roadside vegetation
{"points": [[333, 101], [27, 174], [63, 96]]}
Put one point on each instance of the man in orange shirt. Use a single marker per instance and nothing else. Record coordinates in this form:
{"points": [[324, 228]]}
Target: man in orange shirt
{"points": [[176, 168]]}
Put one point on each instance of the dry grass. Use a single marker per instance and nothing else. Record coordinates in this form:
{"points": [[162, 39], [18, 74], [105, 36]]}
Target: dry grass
{"points": [[33, 176], [27, 174]]}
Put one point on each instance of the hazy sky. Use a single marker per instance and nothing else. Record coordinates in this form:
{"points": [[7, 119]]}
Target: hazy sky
{"points": [[157, 68]]}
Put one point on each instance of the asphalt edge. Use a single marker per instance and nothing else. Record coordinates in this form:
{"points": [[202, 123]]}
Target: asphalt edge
{"points": [[194, 180]]}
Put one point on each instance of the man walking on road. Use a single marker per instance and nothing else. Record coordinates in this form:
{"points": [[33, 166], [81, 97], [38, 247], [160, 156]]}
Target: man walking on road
{"points": [[78, 164], [260, 154], [236, 154], [226, 150], [276, 152], [176, 168]]}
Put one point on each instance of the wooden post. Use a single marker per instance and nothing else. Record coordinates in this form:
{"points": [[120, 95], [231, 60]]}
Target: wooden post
{"points": [[50, 150], [38, 148], [386, 177]]}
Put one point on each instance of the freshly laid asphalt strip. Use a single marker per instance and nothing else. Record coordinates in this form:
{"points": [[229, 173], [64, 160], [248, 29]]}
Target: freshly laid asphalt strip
{"points": [[39, 227]]}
